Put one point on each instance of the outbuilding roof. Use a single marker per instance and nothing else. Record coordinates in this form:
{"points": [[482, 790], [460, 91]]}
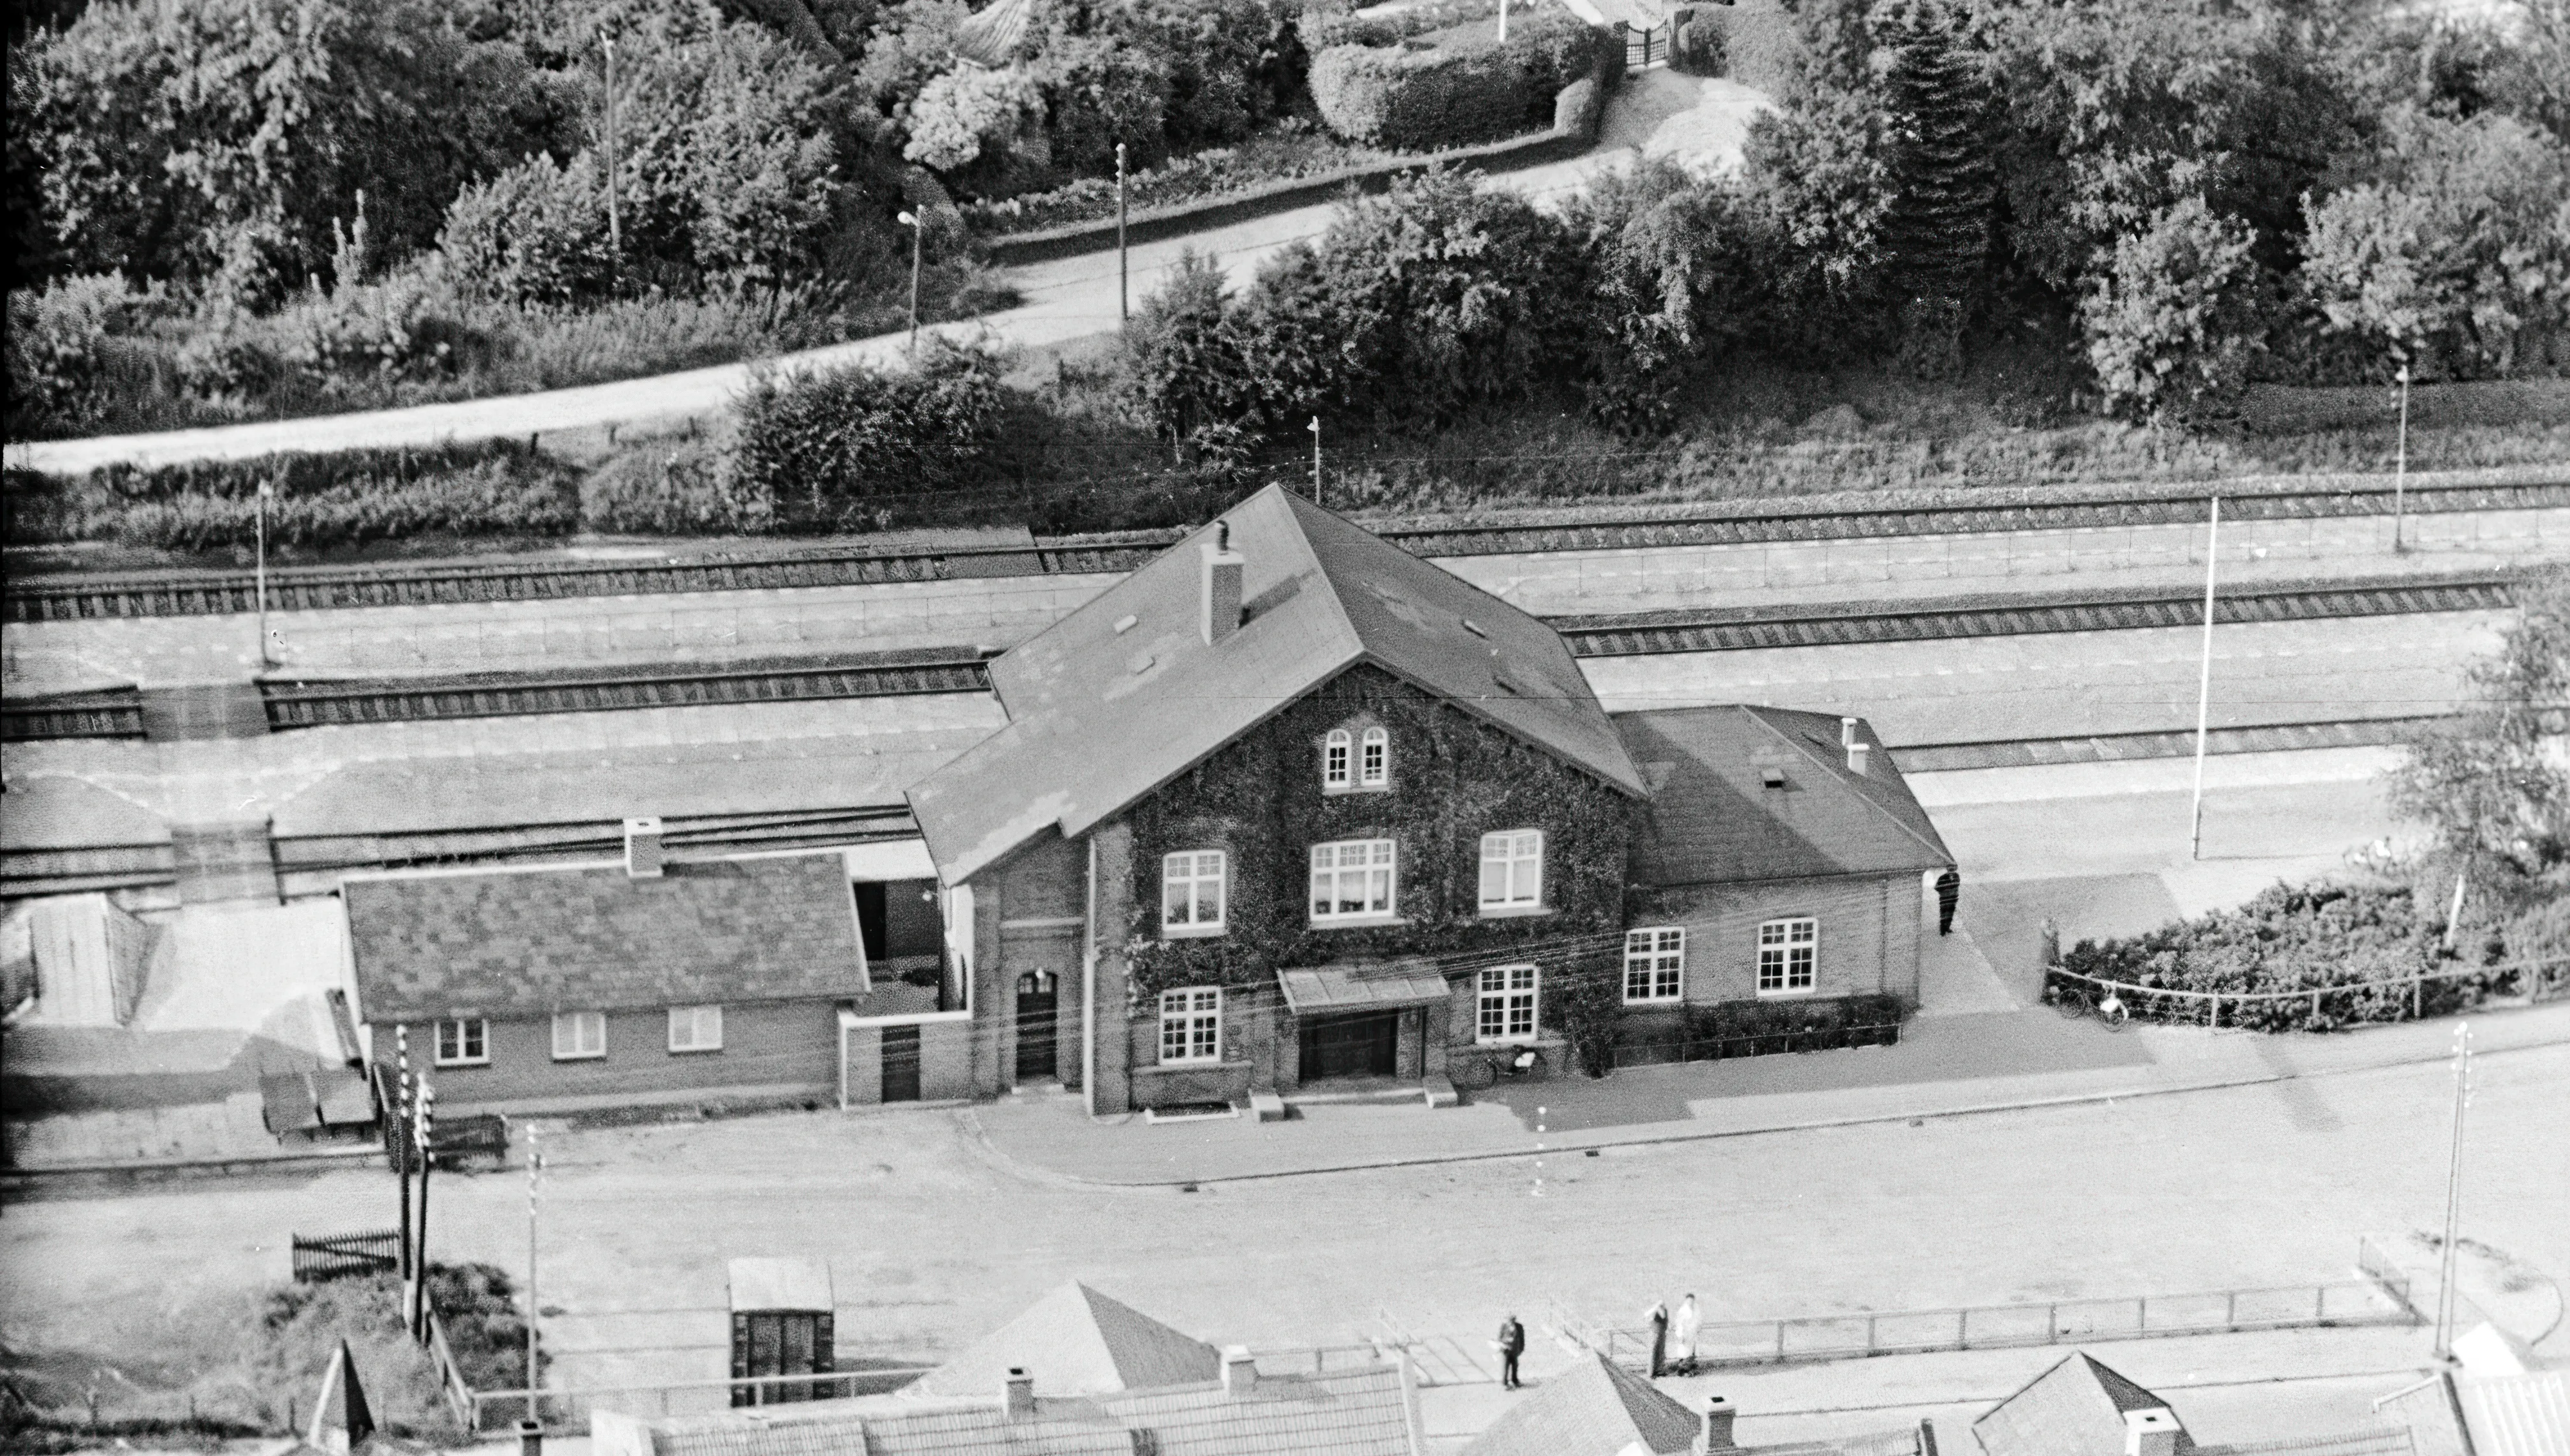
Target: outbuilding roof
{"points": [[1077, 1342], [2076, 1408], [1123, 695], [1594, 1408], [529, 942], [1755, 793]]}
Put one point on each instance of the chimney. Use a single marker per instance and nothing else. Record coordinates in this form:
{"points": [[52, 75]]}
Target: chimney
{"points": [[1856, 746], [643, 848], [530, 1438], [1239, 1370], [1716, 1434], [1222, 596], [1020, 1391], [2152, 1432]]}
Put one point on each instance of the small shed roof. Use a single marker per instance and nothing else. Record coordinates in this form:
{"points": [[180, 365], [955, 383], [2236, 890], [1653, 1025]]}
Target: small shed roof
{"points": [[1595, 1408], [1327, 990], [2076, 1408], [1076, 1341], [764, 1284]]}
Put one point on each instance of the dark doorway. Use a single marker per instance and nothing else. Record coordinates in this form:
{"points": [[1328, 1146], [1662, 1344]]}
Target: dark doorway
{"points": [[781, 1342], [901, 1063], [1038, 1000], [874, 922], [1352, 1046]]}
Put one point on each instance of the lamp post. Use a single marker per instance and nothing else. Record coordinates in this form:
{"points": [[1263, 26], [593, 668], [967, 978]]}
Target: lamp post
{"points": [[2401, 464], [2203, 682], [615, 225], [1316, 460], [535, 1173], [267, 491], [2453, 1193], [1123, 290], [401, 1147], [917, 246], [1503, 22]]}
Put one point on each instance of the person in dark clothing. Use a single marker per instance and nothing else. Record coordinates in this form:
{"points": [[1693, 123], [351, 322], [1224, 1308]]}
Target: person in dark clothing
{"points": [[1510, 1345], [1657, 1317], [1949, 889]]}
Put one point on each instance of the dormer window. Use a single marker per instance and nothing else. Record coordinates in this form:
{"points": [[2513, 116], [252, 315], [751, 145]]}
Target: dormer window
{"points": [[1373, 763], [1336, 753]]}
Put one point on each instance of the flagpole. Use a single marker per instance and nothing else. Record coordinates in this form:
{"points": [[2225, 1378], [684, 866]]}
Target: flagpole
{"points": [[2204, 681]]}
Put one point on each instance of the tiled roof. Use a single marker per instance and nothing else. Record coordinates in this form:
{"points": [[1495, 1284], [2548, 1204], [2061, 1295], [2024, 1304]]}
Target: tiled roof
{"points": [[1712, 817], [1076, 1341], [2076, 1408], [1098, 718], [590, 938], [2518, 1416], [1595, 1408], [989, 37], [1321, 990], [2355, 1443], [1361, 1412]]}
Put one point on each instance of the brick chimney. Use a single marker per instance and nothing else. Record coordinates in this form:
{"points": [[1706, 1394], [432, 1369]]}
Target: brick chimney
{"points": [[1239, 1370], [1019, 1394], [1716, 1432], [1221, 595], [642, 847], [2152, 1432]]}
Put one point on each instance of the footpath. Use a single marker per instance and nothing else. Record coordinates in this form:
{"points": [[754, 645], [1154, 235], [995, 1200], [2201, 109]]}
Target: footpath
{"points": [[1944, 1066]]}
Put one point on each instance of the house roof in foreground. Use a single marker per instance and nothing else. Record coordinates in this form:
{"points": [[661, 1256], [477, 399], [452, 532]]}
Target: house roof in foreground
{"points": [[2076, 1408], [1076, 1341], [1599, 1408], [533, 941], [1712, 817], [1100, 717]]}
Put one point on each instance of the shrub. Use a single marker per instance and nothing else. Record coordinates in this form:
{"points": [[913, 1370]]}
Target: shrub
{"points": [[1455, 94], [819, 443], [966, 109], [1580, 108], [66, 360], [1702, 46], [2173, 322], [685, 488], [1321, 29], [1183, 364], [535, 234]]}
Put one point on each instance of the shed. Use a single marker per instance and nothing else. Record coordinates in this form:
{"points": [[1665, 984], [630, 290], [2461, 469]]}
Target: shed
{"points": [[781, 1325]]}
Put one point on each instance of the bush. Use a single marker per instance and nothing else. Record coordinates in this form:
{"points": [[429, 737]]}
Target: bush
{"points": [[2173, 322], [820, 443], [535, 234], [1702, 46], [967, 110], [1580, 108], [664, 489], [1456, 94], [1322, 29], [68, 368]]}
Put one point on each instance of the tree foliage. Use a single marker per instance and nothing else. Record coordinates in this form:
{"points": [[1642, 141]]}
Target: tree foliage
{"points": [[2497, 783], [2172, 321], [1937, 227], [819, 444]]}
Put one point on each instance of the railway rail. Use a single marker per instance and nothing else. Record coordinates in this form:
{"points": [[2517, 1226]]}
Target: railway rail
{"points": [[300, 589], [339, 703]]}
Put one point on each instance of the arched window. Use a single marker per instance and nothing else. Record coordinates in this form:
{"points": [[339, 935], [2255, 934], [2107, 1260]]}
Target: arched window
{"points": [[1336, 750], [1373, 763]]}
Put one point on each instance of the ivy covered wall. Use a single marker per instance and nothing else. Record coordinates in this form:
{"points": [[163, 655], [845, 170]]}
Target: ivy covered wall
{"points": [[1452, 780]]}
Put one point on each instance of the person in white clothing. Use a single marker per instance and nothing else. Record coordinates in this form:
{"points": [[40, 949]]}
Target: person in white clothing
{"points": [[1682, 1336]]}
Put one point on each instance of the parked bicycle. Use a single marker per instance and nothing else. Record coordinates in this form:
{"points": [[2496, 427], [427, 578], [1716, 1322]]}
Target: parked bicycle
{"points": [[2075, 1000], [1488, 1066]]}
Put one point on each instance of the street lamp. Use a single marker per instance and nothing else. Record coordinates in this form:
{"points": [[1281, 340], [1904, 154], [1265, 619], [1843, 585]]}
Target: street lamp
{"points": [[917, 233], [614, 226], [1316, 460], [1123, 309], [266, 492], [2401, 464]]}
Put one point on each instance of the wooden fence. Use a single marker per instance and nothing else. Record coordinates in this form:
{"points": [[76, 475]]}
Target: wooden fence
{"points": [[340, 1255]]}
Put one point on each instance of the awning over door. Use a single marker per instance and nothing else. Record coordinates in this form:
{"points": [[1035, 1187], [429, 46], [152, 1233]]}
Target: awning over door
{"points": [[1329, 990]]}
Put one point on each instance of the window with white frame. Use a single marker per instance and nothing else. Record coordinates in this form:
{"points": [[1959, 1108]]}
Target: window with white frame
{"points": [[1654, 964], [1506, 1011], [1512, 869], [1352, 880], [695, 1028], [1374, 759], [1789, 953], [463, 1042], [578, 1036], [1337, 754], [1192, 1025], [1191, 893]]}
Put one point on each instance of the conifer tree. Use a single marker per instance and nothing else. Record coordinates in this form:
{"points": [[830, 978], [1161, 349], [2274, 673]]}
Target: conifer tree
{"points": [[1938, 229]]}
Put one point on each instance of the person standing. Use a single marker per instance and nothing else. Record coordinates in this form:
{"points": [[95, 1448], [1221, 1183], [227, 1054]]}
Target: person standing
{"points": [[1510, 1345], [1682, 1346], [1949, 891], [1657, 1317]]}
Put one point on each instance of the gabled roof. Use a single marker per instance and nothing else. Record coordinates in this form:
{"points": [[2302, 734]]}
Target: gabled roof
{"points": [[2518, 1416], [989, 37], [1361, 1412], [2076, 1408], [1076, 1341], [1098, 718], [1595, 1408], [1713, 818], [529, 942]]}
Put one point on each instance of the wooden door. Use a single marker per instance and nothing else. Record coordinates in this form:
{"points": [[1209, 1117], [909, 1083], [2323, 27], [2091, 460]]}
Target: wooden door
{"points": [[901, 1063], [1039, 1002], [1352, 1046]]}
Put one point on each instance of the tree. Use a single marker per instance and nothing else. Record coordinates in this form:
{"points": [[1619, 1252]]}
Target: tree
{"points": [[1181, 358], [2172, 321], [1678, 270], [1936, 230], [2497, 781]]}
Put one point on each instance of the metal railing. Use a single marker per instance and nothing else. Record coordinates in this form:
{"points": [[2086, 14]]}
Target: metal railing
{"points": [[571, 1406], [2539, 981]]}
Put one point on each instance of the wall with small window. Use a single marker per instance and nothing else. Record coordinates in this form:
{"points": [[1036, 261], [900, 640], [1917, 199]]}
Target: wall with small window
{"points": [[594, 1058], [1772, 940]]}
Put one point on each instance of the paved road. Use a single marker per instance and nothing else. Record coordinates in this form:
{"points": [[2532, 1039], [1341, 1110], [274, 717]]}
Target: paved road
{"points": [[702, 627]]}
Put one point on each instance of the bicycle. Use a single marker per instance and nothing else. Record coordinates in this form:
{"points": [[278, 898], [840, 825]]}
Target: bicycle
{"points": [[1487, 1067], [2075, 1001]]}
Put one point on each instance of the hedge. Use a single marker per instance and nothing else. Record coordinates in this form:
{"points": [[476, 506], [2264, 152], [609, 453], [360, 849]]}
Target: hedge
{"points": [[1321, 29], [816, 444], [1456, 94], [1702, 46]]}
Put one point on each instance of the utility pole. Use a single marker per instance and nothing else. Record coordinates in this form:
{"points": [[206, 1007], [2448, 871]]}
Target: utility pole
{"points": [[535, 1173], [1316, 460], [1123, 287], [614, 226], [423, 1128], [2204, 681], [2453, 1193], [401, 1149], [2400, 465], [1503, 22], [917, 231], [267, 491]]}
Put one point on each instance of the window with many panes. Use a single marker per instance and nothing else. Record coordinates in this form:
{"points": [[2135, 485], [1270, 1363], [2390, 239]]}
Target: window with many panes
{"points": [[1789, 954], [1352, 880], [1192, 1025], [1505, 1012], [695, 1028], [579, 1035], [1374, 761], [1513, 870], [1338, 751], [463, 1042], [1654, 964], [1191, 893]]}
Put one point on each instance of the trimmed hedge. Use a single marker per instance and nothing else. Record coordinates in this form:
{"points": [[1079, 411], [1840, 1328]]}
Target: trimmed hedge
{"points": [[1322, 29], [1456, 94], [1702, 46], [819, 443]]}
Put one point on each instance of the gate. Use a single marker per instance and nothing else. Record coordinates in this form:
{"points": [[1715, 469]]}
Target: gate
{"points": [[1646, 47]]}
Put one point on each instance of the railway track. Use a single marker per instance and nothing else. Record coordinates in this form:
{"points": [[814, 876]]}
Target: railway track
{"points": [[302, 589], [339, 703]]}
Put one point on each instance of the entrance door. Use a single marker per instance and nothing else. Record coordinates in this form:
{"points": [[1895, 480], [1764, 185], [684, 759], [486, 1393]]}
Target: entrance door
{"points": [[1038, 998], [901, 1063], [1352, 1046]]}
